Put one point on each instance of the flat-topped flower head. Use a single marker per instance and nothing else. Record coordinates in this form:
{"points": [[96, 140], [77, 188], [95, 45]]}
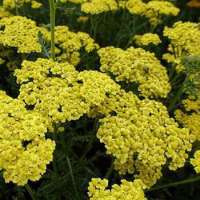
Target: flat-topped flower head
{"points": [[70, 44], [147, 39], [99, 6], [196, 161], [13, 4], [21, 33], [24, 151], [135, 65], [184, 41], [142, 137], [153, 10], [190, 117], [59, 91], [125, 191]]}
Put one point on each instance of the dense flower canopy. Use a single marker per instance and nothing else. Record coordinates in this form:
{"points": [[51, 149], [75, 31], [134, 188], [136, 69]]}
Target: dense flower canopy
{"points": [[104, 98]]}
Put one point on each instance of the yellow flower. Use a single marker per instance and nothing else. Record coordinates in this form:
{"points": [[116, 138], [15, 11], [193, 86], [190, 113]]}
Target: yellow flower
{"points": [[99, 6], [156, 9], [153, 10], [36, 5], [135, 65], [125, 191], [141, 136], [196, 161], [191, 118], [184, 41], [21, 33], [24, 151], [70, 44], [60, 92], [147, 39], [136, 7], [12, 4]]}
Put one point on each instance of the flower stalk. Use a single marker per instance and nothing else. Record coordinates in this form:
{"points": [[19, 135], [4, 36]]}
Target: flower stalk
{"points": [[52, 6], [174, 184], [29, 190]]}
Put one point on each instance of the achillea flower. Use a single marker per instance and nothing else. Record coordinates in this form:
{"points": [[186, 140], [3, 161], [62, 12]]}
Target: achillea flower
{"points": [[153, 10], [24, 151], [59, 91], [147, 39], [69, 44], [184, 41], [141, 136], [99, 6], [191, 118], [21, 33], [135, 65], [196, 161], [12, 4], [125, 191], [137, 7]]}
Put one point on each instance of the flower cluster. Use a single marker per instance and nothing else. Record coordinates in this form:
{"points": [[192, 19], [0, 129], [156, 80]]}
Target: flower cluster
{"points": [[184, 41], [147, 39], [127, 95], [59, 91], [142, 137], [99, 6], [190, 118], [69, 44], [135, 65], [125, 191], [196, 161], [21, 33], [153, 10], [12, 4], [24, 151]]}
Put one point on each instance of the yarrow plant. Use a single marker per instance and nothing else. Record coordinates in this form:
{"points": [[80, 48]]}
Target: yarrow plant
{"points": [[99, 100]]}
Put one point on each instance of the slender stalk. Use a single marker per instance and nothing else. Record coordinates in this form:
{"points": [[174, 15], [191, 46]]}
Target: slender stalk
{"points": [[16, 7], [186, 181], [52, 6], [72, 177], [29, 190], [110, 170], [176, 98]]}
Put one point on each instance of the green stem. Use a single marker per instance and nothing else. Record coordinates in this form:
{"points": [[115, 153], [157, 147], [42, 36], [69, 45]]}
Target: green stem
{"points": [[186, 181], [29, 190], [176, 97], [16, 8], [52, 6], [72, 177], [110, 170]]}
